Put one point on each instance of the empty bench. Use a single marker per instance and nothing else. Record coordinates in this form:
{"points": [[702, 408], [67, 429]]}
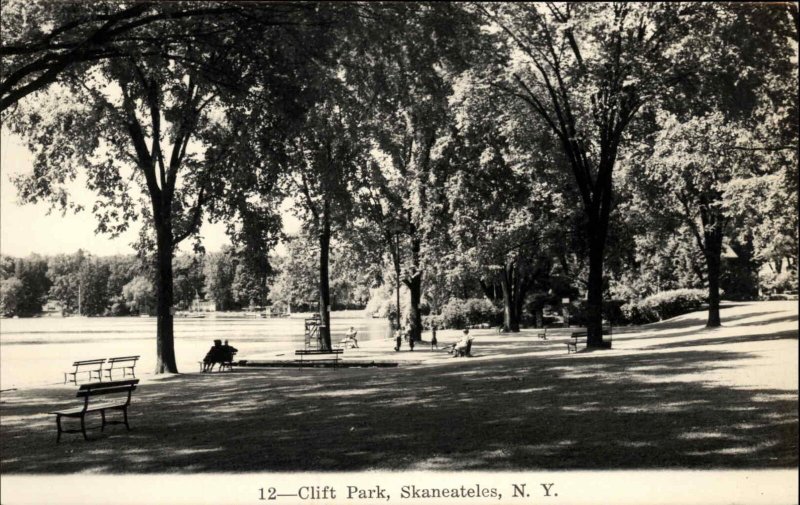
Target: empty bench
{"points": [[90, 366], [124, 363], [579, 337], [313, 356], [120, 401]]}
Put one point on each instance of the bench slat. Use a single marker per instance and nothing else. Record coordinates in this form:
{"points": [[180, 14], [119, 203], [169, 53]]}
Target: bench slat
{"points": [[89, 362], [98, 385], [123, 358], [92, 408], [105, 391]]}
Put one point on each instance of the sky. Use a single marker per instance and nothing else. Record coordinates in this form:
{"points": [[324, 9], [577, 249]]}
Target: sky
{"points": [[28, 228]]}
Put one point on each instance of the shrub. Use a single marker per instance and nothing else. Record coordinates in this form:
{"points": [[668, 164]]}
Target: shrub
{"points": [[429, 320], [453, 314], [480, 311], [458, 313], [664, 305]]}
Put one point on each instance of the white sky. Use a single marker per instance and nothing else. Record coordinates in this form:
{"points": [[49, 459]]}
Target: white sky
{"points": [[26, 229]]}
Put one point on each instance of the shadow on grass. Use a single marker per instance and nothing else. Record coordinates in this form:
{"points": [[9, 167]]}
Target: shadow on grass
{"points": [[781, 335], [544, 412]]}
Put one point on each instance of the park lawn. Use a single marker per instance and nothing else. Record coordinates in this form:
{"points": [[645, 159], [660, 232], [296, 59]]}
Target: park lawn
{"points": [[669, 395]]}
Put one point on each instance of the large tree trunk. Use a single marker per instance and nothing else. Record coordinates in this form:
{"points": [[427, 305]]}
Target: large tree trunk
{"points": [[594, 297], [598, 215], [414, 314], [414, 285], [324, 283], [508, 281], [396, 260], [165, 337], [713, 254]]}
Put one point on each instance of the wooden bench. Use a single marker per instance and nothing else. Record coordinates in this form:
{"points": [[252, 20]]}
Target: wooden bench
{"points": [[579, 337], [542, 334], [122, 390], [223, 365], [90, 366], [123, 363], [318, 356]]}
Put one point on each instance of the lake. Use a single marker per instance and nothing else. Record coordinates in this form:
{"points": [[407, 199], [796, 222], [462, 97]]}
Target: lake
{"points": [[37, 351]]}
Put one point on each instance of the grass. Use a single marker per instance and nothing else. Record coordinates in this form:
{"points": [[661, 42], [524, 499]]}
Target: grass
{"points": [[670, 395]]}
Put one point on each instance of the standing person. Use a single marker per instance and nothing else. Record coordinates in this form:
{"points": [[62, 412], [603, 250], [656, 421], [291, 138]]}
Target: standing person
{"points": [[410, 339], [434, 342], [398, 338]]}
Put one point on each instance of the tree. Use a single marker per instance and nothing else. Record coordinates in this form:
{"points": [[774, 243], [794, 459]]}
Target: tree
{"points": [[95, 298], [189, 279], [63, 271], [688, 172], [79, 35], [219, 272], [504, 199], [586, 71], [406, 56], [165, 117], [28, 297], [11, 292], [323, 158], [139, 295], [250, 282], [122, 270], [297, 282], [726, 136]]}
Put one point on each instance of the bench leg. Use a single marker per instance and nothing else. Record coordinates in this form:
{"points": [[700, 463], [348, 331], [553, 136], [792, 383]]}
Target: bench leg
{"points": [[58, 424], [125, 417], [83, 427]]}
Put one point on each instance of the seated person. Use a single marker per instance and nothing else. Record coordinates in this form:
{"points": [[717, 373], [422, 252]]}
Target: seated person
{"points": [[227, 353], [214, 355], [460, 348], [350, 337]]}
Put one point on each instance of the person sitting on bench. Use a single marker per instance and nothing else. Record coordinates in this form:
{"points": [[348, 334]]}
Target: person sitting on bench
{"points": [[214, 355], [350, 337], [227, 352], [460, 349]]}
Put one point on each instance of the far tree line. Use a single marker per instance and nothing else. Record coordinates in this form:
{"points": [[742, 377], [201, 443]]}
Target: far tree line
{"points": [[610, 147], [121, 285]]}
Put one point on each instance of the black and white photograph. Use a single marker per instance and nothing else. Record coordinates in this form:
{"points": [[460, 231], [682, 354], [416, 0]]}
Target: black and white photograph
{"points": [[417, 253]]}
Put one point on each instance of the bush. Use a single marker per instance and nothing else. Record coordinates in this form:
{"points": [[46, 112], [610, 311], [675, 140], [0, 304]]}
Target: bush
{"points": [[429, 320], [664, 305], [453, 314], [458, 313], [480, 311]]}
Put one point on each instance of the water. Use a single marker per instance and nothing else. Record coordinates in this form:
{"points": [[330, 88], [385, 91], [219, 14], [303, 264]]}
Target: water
{"points": [[38, 351]]}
